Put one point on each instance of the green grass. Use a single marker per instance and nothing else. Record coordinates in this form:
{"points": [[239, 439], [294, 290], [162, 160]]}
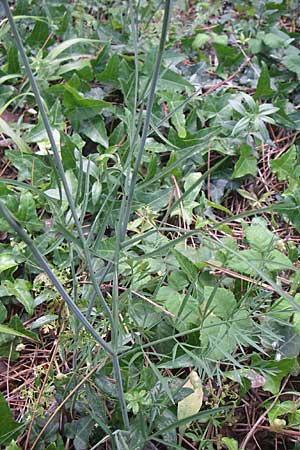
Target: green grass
{"points": [[149, 199]]}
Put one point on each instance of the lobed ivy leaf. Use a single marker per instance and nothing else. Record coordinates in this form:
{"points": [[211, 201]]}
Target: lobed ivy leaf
{"points": [[246, 164]]}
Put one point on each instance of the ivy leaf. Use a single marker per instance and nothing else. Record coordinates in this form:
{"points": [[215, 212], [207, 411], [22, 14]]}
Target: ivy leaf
{"points": [[8, 426], [273, 371], [273, 380], [96, 132], [292, 60], [281, 409], [285, 165], [110, 74], [246, 164], [227, 56], [80, 108], [263, 87]]}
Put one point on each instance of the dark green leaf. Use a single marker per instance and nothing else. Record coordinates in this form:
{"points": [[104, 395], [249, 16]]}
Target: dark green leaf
{"points": [[263, 87], [9, 428], [246, 164]]}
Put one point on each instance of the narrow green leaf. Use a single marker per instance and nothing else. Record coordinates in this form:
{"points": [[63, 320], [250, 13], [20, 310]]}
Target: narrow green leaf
{"points": [[7, 330], [8, 131], [55, 52]]}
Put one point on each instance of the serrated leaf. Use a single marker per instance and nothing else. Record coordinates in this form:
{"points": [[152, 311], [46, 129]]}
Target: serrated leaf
{"points": [[223, 302], [241, 266], [278, 261], [260, 238], [172, 301], [275, 40]]}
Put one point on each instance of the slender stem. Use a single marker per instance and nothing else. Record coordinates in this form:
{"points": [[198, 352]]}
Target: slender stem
{"points": [[133, 19], [43, 264], [45, 120], [39, 257], [128, 199], [119, 382], [56, 156]]}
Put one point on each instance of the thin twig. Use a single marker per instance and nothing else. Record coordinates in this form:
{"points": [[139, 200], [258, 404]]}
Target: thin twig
{"points": [[262, 417]]}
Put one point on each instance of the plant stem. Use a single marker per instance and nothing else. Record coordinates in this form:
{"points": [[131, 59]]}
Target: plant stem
{"points": [[56, 156], [39, 257], [43, 264], [128, 198]]}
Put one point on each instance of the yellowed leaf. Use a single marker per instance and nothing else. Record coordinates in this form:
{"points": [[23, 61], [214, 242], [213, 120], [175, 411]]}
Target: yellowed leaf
{"points": [[191, 404]]}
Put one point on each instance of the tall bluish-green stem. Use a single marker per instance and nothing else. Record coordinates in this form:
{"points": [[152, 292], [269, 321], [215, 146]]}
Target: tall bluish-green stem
{"points": [[39, 257], [131, 178]]}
